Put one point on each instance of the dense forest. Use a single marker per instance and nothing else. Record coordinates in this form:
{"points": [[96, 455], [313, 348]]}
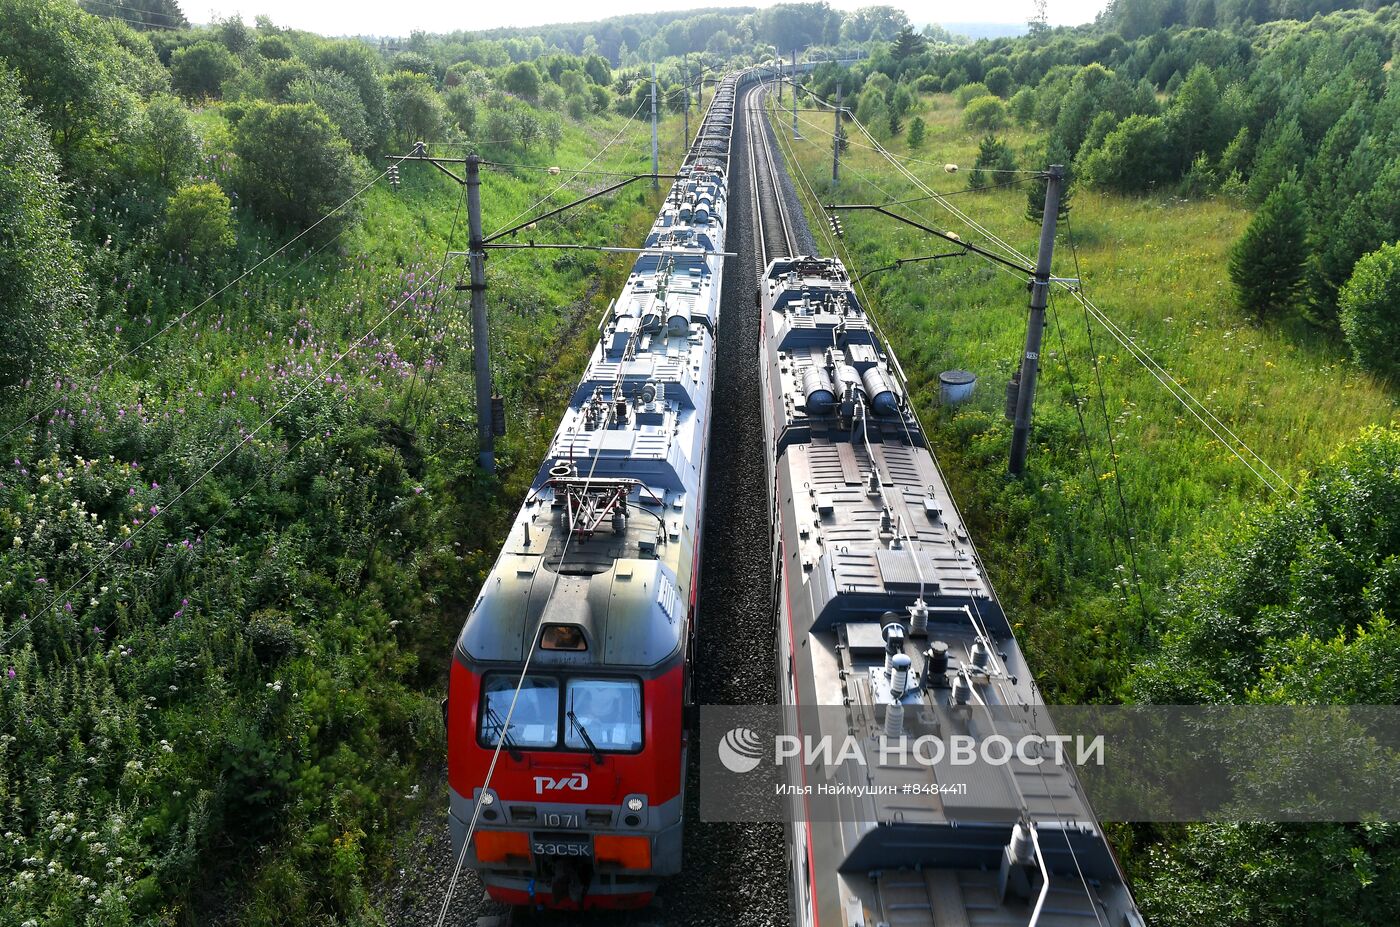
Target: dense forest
{"points": [[235, 422]]}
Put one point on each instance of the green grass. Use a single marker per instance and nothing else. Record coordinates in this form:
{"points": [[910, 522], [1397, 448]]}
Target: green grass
{"points": [[1155, 265]]}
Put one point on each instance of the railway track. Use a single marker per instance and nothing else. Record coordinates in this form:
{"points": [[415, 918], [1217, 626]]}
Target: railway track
{"points": [[775, 235], [734, 874]]}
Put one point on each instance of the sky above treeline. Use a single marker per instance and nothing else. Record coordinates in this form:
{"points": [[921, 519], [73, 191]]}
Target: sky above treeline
{"points": [[398, 18]]}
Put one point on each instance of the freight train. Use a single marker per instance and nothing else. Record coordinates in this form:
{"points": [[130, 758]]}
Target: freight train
{"points": [[571, 671], [885, 619]]}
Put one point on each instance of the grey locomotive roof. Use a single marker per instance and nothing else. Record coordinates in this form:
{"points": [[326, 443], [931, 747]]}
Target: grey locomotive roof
{"points": [[606, 540], [871, 537]]}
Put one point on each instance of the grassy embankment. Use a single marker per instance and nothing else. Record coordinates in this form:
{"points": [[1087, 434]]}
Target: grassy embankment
{"points": [[232, 708], [1156, 265]]}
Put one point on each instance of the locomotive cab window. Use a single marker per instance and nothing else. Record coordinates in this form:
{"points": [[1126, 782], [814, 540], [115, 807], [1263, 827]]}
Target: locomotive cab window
{"points": [[535, 722], [596, 713], [607, 712]]}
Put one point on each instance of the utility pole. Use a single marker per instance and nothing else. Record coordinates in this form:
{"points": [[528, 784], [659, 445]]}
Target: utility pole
{"points": [[795, 133], [481, 339], [685, 81], [1035, 324], [655, 156], [836, 141]]}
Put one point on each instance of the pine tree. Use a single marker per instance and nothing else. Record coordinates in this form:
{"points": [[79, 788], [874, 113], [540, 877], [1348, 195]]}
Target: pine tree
{"points": [[907, 44], [1268, 262], [894, 123], [917, 130], [992, 155]]}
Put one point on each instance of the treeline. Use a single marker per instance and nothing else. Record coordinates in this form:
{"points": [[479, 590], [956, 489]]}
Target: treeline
{"points": [[1134, 18], [1300, 120], [653, 37]]}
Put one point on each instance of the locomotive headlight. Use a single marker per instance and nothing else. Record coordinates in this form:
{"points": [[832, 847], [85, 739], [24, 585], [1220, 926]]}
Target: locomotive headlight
{"points": [[634, 804], [488, 799]]}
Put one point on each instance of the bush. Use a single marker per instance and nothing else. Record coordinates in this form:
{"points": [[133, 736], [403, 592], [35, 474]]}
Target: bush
{"points": [[1268, 261], [293, 166], [1022, 106], [199, 224], [966, 93], [522, 80], [166, 141], [985, 113], [199, 70], [1131, 158], [998, 81], [40, 284], [928, 83], [993, 155], [1369, 305], [339, 98], [415, 109], [462, 105]]}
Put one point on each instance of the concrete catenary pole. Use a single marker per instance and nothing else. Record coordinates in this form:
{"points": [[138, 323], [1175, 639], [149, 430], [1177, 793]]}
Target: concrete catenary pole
{"points": [[795, 133], [836, 141], [481, 337], [1035, 324], [655, 153]]}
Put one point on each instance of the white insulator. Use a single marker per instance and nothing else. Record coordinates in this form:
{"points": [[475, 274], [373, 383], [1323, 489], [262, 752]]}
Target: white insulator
{"points": [[899, 681], [1021, 847], [918, 618], [980, 655], [962, 690], [894, 720]]}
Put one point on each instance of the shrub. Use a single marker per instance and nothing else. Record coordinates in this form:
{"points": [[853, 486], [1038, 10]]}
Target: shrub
{"points": [[199, 223], [1369, 305], [199, 70], [415, 109], [1022, 106], [965, 93], [522, 80], [166, 140], [1131, 158], [998, 81], [293, 166], [985, 113], [462, 105], [339, 98], [40, 284], [992, 155]]}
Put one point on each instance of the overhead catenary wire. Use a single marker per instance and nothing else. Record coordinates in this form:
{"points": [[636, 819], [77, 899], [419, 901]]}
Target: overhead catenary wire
{"points": [[1184, 396], [534, 641], [591, 161]]}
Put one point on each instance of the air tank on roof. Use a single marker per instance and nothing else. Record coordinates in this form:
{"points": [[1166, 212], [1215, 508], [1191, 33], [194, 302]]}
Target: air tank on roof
{"points": [[816, 385], [880, 391]]}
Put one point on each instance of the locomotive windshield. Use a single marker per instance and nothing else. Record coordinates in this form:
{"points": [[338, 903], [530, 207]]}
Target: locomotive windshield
{"points": [[535, 722], [605, 711]]}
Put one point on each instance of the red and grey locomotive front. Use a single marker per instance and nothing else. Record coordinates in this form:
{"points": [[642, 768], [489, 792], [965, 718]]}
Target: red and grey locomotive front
{"points": [[589, 611]]}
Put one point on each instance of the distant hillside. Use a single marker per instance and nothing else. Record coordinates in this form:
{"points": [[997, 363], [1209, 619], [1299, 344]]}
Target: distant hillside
{"points": [[986, 30]]}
